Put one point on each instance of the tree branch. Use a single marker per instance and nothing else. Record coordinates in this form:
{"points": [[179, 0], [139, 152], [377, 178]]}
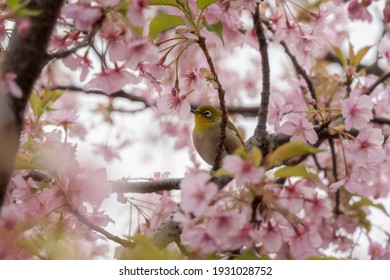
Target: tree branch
{"points": [[335, 175], [259, 138], [120, 93], [85, 42], [380, 80], [110, 236], [222, 105], [25, 56], [297, 66], [147, 186]]}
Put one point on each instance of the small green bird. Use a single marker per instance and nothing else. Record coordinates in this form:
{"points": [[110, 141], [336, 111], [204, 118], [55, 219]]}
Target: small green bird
{"points": [[206, 133]]}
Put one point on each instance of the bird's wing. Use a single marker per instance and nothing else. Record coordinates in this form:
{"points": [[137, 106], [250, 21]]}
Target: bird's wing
{"points": [[233, 139]]}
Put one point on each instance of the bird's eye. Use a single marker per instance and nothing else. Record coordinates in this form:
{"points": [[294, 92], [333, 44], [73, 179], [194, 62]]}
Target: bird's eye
{"points": [[207, 113]]}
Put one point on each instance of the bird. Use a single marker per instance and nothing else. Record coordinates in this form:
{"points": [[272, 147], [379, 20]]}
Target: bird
{"points": [[206, 133]]}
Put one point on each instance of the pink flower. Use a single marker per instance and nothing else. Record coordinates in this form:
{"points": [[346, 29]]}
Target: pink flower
{"points": [[223, 224], [136, 12], [377, 252], [112, 80], [299, 128], [197, 193], [318, 208], [384, 49], [271, 236], [84, 16], [64, 117], [250, 5], [92, 186], [386, 12], [75, 62], [152, 73], [196, 80], [277, 108], [173, 102], [246, 236], [139, 51], [244, 170], [292, 196], [357, 111], [359, 10], [199, 240], [367, 147], [9, 85], [164, 207]]}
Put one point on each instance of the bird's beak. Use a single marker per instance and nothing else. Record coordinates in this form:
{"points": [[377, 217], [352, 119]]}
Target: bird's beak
{"points": [[194, 111]]}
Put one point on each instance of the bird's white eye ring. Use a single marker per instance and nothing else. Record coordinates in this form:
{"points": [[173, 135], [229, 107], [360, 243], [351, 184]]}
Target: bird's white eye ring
{"points": [[207, 113]]}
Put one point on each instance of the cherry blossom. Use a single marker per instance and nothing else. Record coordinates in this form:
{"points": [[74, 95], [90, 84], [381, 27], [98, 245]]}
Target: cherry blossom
{"points": [[299, 128], [112, 80], [223, 224], [139, 51], [367, 147], [359, 10], [197, 193], [9, 85], [384, 49], [244, 170], [173, 102], [84, 16], [75, 62], [357, 111]]}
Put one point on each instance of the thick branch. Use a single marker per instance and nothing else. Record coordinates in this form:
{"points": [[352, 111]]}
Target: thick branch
{"points": [[222, 105], [25, 56], [147, 186]]}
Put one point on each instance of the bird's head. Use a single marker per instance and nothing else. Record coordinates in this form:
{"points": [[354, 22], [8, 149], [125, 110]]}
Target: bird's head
{"points": [[206, 115]]}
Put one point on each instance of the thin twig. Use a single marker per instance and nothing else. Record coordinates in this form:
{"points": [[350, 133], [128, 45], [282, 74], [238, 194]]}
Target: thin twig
{"points": [[85, 221], [120, 93], [221, 96], [260, 135], [302, 73], [297, 66], [335, 175], [380, 80], [380, 120]]}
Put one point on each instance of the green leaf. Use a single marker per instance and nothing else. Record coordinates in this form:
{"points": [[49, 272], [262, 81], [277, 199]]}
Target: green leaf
{"points": [[367, 202], [203, 4], [24, 161], [217, 29], [351, 54], [291, 150], [145, 249], [361, 53], [20, 8], [51, 96], [340, 55], [163, 22], [173, 3], [296, 171], [36, 105]]}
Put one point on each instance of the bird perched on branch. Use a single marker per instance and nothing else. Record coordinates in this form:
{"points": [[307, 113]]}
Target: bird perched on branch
{"points": [[207, 133]]}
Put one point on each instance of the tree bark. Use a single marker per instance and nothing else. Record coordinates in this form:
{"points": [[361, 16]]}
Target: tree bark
{"points": [[25, 56]]}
